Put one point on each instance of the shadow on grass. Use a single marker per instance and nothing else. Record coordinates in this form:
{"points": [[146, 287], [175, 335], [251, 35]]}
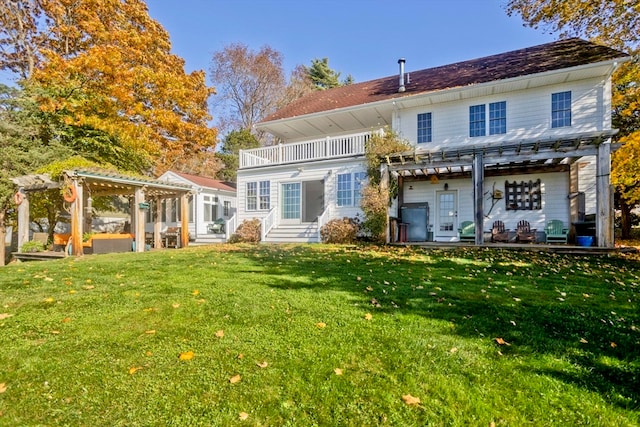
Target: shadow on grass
{"points": [[583, 309]]}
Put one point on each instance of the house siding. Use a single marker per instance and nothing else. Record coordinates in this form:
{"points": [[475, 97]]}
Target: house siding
{"points": [[528, 115]]}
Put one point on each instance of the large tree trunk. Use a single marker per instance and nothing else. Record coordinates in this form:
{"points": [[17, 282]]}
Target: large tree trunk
{"points": [[625, 209]]}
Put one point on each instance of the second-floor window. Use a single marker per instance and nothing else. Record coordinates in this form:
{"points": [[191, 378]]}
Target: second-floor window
{"points": [[477, 120], [424, 128], [561, 109], [497, 118], [350, 187], [258, 195]]}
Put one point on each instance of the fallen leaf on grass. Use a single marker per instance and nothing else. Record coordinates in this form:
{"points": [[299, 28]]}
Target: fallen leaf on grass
{"points": [[195, 292], [243, 416], [66, 320], [410, 400], [49, 300], [3, 387], [338, 371], [220, 333], [234, 379], [5, 316], [583, 341], [55, 332], [150, 332], [134, 369], [241, 356], [175, 305], [368, 316], [321, 325], [262, 364], [186, 355], [613, 345], [453, 350], [500, 341]]}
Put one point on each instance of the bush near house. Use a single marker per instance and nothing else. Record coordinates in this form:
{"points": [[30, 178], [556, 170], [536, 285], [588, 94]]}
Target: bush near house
{"points": [[343, 230], [249, 231]]}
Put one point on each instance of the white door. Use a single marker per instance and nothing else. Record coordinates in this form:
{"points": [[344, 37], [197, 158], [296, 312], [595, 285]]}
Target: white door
{"points": [[446, 214]]}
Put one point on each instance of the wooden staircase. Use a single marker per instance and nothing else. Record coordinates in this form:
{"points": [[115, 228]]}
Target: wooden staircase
{"points": [[294, 233]]}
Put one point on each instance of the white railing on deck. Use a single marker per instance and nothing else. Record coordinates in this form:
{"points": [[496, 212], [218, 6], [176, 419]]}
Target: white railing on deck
{"points": [[268, 222], [231, 226], [305, 151], [322, 220]]}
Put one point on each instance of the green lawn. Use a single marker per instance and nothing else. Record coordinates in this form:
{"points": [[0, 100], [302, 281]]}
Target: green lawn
{"points": [[321, 335]]}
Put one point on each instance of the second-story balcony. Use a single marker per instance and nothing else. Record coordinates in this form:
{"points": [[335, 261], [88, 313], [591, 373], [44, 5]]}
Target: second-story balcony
{"points": [[305, 151]]}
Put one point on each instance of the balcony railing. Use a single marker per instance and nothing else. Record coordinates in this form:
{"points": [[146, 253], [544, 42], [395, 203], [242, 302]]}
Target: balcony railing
{"points": [[327, 148]]}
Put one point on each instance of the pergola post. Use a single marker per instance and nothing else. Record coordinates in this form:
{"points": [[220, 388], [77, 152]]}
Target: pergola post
{"points": [[478, 196], [157, 224], [23, 221], [139, 219], [184, 220], [77, 228], [604, 196]]}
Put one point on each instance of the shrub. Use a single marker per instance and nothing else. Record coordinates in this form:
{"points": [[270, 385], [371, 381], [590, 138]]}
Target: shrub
{"points": [[374, 204], [343, 230], [250, 231], [32, 246]]}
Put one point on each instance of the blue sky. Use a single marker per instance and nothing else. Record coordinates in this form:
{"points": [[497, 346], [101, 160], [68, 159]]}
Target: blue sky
{"points": [[363, 38]]}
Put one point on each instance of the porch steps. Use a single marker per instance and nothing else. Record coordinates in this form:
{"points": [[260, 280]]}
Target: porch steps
{"points": [[209, 239], [298, 233]]}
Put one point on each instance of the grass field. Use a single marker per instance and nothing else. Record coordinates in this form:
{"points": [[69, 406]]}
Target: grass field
{"points": [[321, 335]]}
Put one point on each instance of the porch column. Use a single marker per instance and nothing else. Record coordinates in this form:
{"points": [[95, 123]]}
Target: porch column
{"points": [[77, 227], [184, 220], [23, 221], [604, 197], [139, 214], [384, 186], [478, 188], [157, 224], [574, 208]]}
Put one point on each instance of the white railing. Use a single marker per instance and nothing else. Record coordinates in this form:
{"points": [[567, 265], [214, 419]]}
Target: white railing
{"points": [[231, 226], [322, 220], [268, 222], [305, 151]]}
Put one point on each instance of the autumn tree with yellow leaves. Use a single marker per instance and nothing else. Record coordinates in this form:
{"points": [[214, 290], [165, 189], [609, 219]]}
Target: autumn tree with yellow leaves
{"points": [[614, 23], [106, 66]]}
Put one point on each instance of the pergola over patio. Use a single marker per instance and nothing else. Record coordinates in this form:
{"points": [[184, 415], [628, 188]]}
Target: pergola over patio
{"points": [[82, 185]]}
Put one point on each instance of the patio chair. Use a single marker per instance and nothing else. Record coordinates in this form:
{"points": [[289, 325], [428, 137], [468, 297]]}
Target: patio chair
{"points": [[217, 227], [499, 233], [525, 233], [467, 231], [555, 232]]}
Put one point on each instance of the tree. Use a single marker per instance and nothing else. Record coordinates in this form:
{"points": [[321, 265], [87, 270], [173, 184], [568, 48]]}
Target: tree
{"points": [[23, 150], [323, 77], [230, 151], [106, 66], [249, 84], [615, 23], [300, 84]]}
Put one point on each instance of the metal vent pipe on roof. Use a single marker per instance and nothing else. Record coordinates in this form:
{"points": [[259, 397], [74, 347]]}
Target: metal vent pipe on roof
{"points": [[401, 62]]}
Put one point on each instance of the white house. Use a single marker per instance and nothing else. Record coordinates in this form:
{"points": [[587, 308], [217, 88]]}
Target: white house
{"points": [[212, 204], [522, 135]]}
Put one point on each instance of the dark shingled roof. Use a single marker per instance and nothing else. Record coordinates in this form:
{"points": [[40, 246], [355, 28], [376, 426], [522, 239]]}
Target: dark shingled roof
{"points": [[537, 59]]}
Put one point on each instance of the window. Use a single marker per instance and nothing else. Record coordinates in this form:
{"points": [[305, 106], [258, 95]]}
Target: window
{"points": [[210, 208], [350, 187], [561, 109], [497, 118], [523, 195], [226, 208], [424, 128], [265, 195], [258, 200], [477, 125]]}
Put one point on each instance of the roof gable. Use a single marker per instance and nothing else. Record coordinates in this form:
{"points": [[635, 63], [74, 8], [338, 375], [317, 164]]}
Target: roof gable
{"points": [[203, 181], [533, 60]]}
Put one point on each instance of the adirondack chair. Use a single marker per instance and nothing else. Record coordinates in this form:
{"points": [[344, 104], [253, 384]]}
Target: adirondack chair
{"points": [[217, 227], [499, 233], [525, 233], [467, 231], [555, 231]]}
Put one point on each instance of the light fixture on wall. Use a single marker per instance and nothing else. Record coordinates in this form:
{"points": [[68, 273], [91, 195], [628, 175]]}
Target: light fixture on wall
{"points": [[411, 187], [446, 186]]}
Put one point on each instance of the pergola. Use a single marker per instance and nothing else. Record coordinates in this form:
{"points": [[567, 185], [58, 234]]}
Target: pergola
{"points": [[83, 185], [557, 154]]}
